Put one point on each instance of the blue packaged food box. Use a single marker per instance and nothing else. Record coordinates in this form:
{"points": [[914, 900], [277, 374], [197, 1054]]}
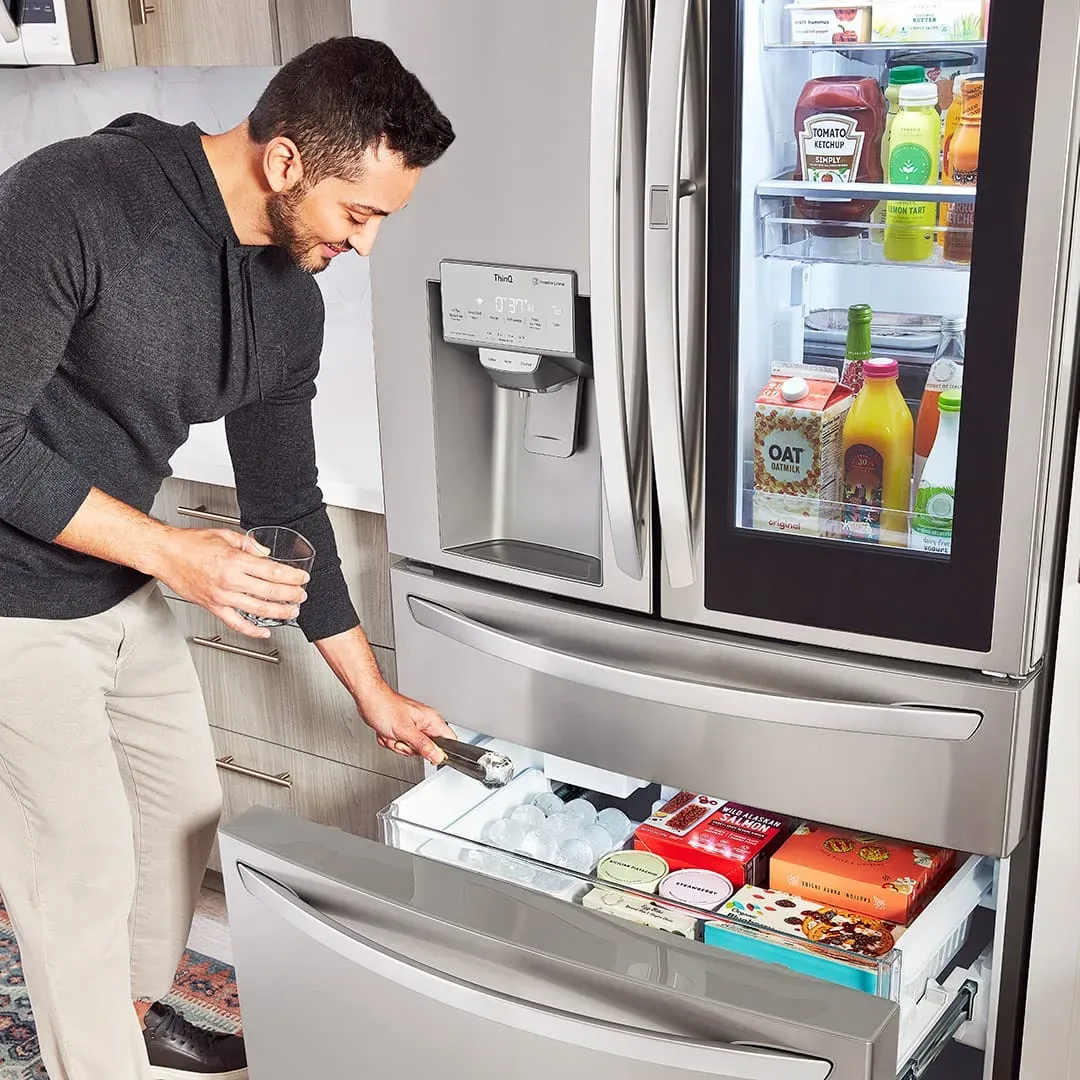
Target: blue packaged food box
{"points": [[806, 937]]}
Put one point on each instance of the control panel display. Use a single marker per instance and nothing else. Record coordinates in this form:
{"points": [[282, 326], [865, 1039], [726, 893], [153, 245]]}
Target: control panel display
{"points": [[507, 307]]}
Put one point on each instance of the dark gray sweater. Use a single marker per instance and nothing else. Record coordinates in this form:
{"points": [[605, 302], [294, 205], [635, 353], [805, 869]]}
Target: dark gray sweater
{"points": [[128, 311]]}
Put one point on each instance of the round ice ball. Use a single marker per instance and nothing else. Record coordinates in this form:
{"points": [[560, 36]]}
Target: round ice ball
{"points": [[528, 816], [575, 854], [599, 839], [583, 810], [505, 834], [615, 822], [539, 844], [473, 858], [563, 826], [548, 802]]}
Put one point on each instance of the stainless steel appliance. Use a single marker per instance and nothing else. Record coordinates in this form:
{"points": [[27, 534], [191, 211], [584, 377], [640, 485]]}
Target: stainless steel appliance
{"points": [[36, 32], [573, 324]]}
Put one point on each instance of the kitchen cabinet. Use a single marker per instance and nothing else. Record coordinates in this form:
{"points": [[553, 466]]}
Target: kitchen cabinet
{"points": [[200, 33]]}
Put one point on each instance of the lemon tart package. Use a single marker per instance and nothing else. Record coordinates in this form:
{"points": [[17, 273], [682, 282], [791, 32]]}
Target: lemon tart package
{"points": [[870, 875], [829, 942]]}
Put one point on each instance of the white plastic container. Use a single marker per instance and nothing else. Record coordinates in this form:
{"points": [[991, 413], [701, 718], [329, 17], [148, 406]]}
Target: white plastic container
{"points": [[827, 23]]}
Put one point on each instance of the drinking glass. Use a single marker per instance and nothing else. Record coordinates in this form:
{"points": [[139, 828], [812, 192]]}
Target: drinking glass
{"points": [[287, 547]]}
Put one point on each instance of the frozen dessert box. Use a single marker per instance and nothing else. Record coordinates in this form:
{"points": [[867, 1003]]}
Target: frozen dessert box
{"points": [[805, 937], [870, 875], [637, 909], [708, 833]]}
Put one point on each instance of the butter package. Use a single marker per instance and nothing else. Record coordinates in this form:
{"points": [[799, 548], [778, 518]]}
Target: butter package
{"points": [[638, 910], [798, 442], [871, 875], [811, 939], [708, 833], [920, 21]]}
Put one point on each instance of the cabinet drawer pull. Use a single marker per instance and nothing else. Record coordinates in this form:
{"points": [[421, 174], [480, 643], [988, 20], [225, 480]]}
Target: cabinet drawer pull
{"points": [[203, 514], [215, 642], [281, 779]]}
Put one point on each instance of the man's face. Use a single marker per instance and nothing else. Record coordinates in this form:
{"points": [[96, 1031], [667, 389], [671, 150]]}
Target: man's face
{"points": [[316, 224]]}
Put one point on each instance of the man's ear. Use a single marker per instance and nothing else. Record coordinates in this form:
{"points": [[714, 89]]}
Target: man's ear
{"points": [[282, 164]]}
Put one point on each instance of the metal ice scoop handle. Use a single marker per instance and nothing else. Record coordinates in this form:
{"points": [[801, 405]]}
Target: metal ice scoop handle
{"points": [[490, 768]]}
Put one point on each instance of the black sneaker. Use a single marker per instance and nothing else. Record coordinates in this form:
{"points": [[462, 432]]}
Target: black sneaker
{"points": [[179, 1050]]}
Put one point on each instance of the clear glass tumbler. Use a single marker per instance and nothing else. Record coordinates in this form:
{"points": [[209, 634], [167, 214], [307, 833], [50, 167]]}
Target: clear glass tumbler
{"points": [[287, 547]]}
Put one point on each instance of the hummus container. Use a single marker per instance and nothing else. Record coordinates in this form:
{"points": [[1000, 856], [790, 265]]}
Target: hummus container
{"points": [[703, 889], [639, 870], [831, 23]]}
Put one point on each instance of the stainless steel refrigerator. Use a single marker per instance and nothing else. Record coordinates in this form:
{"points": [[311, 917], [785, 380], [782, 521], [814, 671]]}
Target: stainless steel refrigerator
{"points": [[574, 324]]}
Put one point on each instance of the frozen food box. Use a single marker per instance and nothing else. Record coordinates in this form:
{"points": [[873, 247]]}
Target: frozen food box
{"points": [[779, 928], [911, 21], [798, 450], [637, 909], [870, 875], [816, 23], [708, 833]]}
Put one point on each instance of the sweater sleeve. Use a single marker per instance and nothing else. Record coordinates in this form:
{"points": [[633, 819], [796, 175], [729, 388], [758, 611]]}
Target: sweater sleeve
{"points": [[272, 446], [44, 285]]}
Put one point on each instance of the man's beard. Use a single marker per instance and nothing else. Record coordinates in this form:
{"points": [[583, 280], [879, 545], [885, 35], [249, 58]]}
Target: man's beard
{"points": [[286, 231]]}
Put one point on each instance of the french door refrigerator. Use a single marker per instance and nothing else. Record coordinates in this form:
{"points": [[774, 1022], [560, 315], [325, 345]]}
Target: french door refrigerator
{"points": [[642, 551]]}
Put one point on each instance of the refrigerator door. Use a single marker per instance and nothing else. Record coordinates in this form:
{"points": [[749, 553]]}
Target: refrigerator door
{"points": [[789, 538], [492, 465], [917, 752], [408, 967]]}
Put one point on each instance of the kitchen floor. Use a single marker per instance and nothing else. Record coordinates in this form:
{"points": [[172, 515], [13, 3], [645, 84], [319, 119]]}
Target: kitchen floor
{"points": [[210, 927]]}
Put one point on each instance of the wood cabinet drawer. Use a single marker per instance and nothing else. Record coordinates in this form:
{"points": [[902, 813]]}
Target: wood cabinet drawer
{"points": [[281, 690], [258, 773], [361, 542]]}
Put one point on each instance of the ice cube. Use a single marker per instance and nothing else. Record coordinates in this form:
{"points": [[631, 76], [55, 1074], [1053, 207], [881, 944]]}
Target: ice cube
{"points": [[599, 839], [539, 844], [583, 810], [528, 816], [473, 858], [615, 822], [575, 854], [548, 802], [563, 826], [519, 872], [505, 834]]}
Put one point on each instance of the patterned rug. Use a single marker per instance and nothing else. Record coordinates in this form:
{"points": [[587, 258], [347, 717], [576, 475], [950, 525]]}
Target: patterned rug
{"points": [[204, 991]]}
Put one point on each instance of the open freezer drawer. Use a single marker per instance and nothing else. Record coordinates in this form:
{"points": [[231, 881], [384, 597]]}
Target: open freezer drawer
{"points": [[410, 967], [896, 749]]}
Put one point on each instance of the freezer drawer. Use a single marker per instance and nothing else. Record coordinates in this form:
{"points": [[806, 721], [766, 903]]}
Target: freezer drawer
{"points": [[411, 967], [932, 754]]}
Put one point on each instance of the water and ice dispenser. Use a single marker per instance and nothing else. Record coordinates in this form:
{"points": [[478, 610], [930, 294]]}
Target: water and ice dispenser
{"points": [[517, 452]]}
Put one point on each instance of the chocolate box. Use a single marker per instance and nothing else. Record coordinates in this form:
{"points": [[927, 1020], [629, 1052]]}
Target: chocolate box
{"points": [[826, 942], [871, 875], [711, 834]]}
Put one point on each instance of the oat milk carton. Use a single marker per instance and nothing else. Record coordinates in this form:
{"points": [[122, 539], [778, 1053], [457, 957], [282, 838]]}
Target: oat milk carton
{"points": [[798, 437]]}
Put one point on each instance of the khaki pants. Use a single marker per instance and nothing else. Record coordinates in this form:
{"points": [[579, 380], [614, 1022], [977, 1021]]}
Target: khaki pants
{"points": [[109, 801]]}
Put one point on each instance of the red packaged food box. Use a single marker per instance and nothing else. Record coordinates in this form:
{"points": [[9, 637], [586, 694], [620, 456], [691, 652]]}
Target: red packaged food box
{"points": [[871, 875], [711, 834]]}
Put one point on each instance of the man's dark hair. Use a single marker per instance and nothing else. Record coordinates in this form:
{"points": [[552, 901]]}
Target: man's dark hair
{"points": [[344, 96]]}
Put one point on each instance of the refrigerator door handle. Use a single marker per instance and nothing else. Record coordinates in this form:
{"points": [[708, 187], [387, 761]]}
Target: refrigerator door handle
{"points": [[664, 187], [615, 30], [616, 1040], [911, 721]]}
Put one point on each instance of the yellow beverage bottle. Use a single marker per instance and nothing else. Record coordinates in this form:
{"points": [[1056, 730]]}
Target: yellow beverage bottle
{"points": [[878, 444], [899, 77], [914, 159]]}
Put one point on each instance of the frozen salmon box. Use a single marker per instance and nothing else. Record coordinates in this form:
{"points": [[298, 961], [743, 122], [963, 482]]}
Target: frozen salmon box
{"points": [[823, 941], [798, 436], [870, 875], [708, 833]]}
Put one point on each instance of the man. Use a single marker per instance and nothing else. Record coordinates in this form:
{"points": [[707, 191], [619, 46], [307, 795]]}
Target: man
{"points": [[152, 277]]}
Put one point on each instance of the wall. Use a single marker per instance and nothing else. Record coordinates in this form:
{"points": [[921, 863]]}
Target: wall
{"points": [[43, 105]]}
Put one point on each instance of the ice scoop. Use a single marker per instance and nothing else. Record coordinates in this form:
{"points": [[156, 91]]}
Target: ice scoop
{"points": [[492, 769]]}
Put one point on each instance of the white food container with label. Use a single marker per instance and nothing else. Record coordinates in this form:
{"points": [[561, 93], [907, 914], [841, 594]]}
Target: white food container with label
{"points": [[830, 24]]}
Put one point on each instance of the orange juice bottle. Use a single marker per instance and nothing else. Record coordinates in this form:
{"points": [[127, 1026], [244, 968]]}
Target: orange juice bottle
{"points": [[952, 123], [964, 170], [878, 443]]}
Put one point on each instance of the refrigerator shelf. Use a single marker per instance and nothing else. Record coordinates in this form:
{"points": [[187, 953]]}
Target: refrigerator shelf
{"points": [[787, 188], [855, 51]]}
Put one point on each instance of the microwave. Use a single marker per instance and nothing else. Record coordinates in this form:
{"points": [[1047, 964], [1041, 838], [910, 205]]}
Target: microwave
{"points": [[46, 32]]}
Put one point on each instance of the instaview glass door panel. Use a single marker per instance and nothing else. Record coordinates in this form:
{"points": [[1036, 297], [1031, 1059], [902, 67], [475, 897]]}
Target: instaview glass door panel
{"points": [[863, 307]]}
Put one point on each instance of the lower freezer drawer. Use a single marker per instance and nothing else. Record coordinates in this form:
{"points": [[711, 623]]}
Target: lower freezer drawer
{"points": [[451, 818], [414, 967]]}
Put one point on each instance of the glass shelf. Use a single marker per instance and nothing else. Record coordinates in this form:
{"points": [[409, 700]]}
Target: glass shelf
{"points": [[806, 189], [853, 51]]}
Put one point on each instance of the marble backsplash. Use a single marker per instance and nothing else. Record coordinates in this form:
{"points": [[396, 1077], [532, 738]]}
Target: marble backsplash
{"points": [[44, 105]]}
